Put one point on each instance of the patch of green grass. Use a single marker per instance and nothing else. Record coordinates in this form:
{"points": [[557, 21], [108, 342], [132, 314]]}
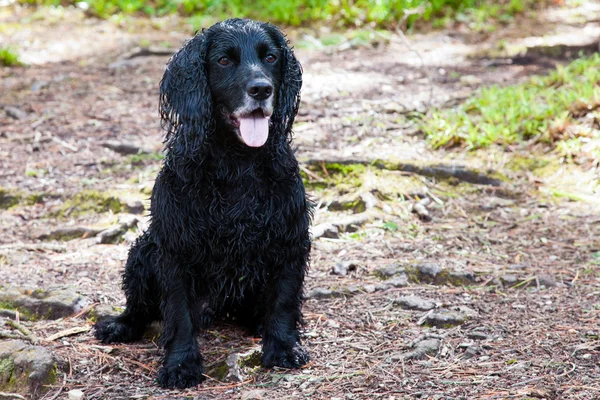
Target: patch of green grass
{"points": [[540, 110], [352, 13], [9, 57]]}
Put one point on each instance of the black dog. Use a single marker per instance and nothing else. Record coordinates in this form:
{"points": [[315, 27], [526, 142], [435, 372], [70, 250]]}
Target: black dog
{"points": [[230, 218]]}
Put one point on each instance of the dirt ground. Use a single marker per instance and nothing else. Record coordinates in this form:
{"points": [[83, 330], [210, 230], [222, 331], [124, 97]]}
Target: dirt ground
{"points": [[518, 261]]}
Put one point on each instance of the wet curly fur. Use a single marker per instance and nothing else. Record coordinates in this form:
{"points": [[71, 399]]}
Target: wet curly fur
{"points": [[229, 231]]}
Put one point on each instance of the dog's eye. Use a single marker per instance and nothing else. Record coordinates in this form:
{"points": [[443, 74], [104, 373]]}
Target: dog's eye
{"points": [[270, 58], [224, 61]]}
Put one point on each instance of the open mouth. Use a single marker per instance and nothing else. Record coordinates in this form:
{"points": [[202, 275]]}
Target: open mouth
{"points": [[253, 127]]}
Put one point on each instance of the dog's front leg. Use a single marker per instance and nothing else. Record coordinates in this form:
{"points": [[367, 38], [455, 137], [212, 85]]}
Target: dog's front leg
{"points": [[182, 366], [281, 340]]}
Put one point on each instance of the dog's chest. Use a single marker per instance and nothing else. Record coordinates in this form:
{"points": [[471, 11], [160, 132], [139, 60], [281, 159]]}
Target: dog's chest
{"points": [[250, 213]]}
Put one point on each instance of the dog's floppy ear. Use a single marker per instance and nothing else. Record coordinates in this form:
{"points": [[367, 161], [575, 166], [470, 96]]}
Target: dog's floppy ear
{"points": [[288, 98], [186, 104]]}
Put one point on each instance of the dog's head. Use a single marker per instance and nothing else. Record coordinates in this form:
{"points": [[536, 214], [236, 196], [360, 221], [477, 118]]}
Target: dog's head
{"points": [[237, 78]]}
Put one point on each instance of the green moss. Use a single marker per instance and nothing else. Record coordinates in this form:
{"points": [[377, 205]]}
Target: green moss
{"points": [[523, 163], [88, 201], [8, 199]]}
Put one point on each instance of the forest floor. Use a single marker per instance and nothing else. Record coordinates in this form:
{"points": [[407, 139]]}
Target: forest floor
{"points": [[501, 247]]}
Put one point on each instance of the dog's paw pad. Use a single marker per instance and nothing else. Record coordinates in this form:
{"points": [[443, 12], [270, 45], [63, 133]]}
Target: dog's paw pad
{"points": [[181, 373], [112, 330], [292, 358]]}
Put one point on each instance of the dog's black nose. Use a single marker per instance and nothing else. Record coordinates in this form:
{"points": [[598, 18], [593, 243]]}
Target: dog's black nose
{"points": [[259, 89]]}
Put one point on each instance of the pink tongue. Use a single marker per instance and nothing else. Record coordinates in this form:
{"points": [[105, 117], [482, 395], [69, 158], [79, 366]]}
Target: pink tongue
{"points": [[254, 130]]}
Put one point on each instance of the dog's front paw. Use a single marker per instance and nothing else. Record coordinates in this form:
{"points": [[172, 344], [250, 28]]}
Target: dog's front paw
{"points": [[181, 371], [114, 330], [285, 357]]}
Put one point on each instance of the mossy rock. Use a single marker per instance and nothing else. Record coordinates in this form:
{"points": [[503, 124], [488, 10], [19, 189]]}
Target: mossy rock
{"points": [[237, 366], [26, 369], [42, 304], [87, 202], [427, 273], [8, 199]]}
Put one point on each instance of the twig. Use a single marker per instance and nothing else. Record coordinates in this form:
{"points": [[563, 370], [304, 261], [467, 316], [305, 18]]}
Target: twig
{"points": [[11, 396], [400, 32], [311, 174], [68, 332], [65, 144], [28, 334]]}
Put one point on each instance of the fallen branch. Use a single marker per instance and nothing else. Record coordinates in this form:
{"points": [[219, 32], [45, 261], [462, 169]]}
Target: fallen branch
{"points": [[26, 332], [68, 332], [441, 171], [5, 395]]}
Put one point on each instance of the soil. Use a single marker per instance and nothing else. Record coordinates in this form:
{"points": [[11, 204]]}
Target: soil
{"points": [[532, 256]]}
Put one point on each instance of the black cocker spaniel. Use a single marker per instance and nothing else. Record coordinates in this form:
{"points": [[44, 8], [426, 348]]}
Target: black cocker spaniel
{"points": [[229, 231]]}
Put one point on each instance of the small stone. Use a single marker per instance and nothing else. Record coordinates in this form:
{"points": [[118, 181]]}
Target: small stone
{"points": [[109, 235], [389, 271], [477, 335], [326, 230], [414, 303], [15, 112], [369, 199], [38, 85], [393, 107], [342, 268], [546, 280], [75, 394], [423, 348], [369, 288], [509, 279], [448, 318], [517, 267], [398, 281], [430, 269], [470, 80], [323, 293], [255, 394], [134, 207], [102, 311]]}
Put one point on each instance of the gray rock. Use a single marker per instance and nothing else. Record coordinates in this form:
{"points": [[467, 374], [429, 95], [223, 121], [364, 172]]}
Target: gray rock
{"points": [[25, 369], [429, 269], [389, 271], [15, 112], [370, 288], [134, 207], [46, 304], [546, 280], [110, 235], [398, 281], [342, 268], [325, 230], [414, 303], [103, 311], [323, 293], [509, 279], [255, 394], [352, 223], [38, 85], [75, 394], [477, 335], [448, 318], [237, 365], [369, 199], [423, 348]]}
